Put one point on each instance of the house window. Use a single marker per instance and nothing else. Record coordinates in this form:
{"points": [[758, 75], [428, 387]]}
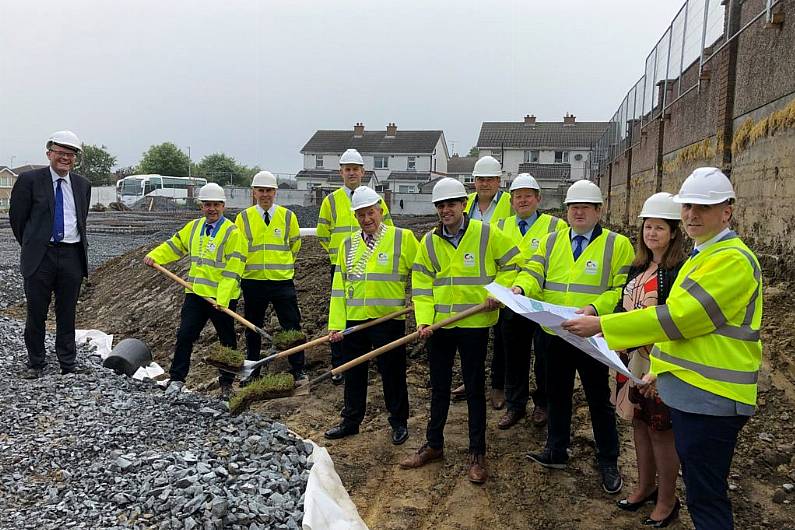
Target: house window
{"points": [[318, 161], [561, 157], [381, 162], [411, 163], [405, 189], [531, 156], [469, 179]]}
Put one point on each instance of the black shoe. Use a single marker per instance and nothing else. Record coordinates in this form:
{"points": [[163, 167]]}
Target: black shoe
{"points": [[399, 434], [341, 431], [226, 393], [627, 506], [78, 370], [545, 459], [299, 376], [611, 478], [337, 379], [31, 373], [665, 522]]}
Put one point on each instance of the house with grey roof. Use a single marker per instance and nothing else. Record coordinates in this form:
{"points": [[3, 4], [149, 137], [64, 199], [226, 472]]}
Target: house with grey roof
{"points": [[460, 168], [396, 160], [547, 150]]}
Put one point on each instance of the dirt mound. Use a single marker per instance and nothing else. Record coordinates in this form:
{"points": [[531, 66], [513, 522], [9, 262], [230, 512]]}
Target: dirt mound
{"points": [[130, 300]]}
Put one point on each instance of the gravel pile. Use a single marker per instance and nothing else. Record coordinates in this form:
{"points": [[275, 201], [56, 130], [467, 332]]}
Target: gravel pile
{"points": [[106, 451]]}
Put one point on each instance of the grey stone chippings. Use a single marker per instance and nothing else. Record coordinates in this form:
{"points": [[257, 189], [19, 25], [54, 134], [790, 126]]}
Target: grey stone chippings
{"points": [[107, 451]]}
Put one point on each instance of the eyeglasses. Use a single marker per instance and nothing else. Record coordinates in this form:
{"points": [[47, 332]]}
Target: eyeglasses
{"points": [[64, 154]]}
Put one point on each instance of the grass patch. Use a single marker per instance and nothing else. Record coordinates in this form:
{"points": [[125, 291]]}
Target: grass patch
{"points": [[224, 356], [269, 386], [284, 340], [749, 132]]}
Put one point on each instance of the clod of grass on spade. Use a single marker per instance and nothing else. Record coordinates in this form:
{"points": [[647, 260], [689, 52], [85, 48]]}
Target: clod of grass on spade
{"points": [[269, 386], [287, 339], [224, 357]]}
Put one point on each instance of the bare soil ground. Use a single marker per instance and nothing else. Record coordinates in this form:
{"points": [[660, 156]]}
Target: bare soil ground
{"points": [[127, 299]]}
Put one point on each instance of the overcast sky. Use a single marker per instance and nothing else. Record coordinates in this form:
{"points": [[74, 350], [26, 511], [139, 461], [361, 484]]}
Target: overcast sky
{"points": [[255, 79]]}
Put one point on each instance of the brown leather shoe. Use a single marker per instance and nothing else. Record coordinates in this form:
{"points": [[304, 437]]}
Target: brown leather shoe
{"points": [[459, 393], [510, 418], [477, 473], [539, 416], [424, 455], [497, 398]]}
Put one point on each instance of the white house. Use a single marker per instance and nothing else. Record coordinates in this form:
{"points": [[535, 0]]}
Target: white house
{"points": [[397, 160], [566, 145], [460, 168]]}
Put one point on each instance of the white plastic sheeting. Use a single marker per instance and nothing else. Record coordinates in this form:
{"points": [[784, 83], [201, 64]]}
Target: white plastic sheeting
{"points": [[104, 344], [327, 505]]}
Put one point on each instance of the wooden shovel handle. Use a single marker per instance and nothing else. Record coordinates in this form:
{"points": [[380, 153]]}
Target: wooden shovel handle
{"points": [[399, 342], [164, 271]]}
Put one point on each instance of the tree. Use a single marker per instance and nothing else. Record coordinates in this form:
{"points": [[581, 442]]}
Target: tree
{"points": [[224, 169], [95, 164], [474, 151], [165, 159]]}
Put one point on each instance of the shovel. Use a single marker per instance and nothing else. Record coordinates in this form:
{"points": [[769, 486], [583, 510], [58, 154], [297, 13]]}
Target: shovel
{"points": [[245, 371], [162, 270], [303, 390]]}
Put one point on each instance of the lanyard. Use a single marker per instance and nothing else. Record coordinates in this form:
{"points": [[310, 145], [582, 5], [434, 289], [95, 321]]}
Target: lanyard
{"points": [[211, 243]]}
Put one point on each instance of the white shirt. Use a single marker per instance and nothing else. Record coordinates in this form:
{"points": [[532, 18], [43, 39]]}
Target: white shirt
{"points": [[714, 240], [484, 216], [70, 231], [271, 211]]}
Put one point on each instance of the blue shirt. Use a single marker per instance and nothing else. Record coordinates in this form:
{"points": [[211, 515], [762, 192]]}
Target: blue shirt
{"points": [[588, 236], [532, 218]]}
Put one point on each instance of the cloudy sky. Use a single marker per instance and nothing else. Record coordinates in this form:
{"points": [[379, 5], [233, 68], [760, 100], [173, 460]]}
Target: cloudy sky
{"points": [[255, 79]]}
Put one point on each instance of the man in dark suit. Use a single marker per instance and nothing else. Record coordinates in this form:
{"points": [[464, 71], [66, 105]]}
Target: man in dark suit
{"points": [[48, 211]]}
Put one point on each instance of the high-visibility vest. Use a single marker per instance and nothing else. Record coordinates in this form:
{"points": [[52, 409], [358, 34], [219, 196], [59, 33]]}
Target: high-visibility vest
{"points": [[371, 284], [446, 280], [216, 260], [542, 226], [502, 209], [336, 221], [707, 332], [271, 248], [596, 278]]}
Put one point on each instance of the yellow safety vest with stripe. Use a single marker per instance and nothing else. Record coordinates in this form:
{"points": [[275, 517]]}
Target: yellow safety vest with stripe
{"points": [[501, 211], [707, 332], [446, 280], [596, 278], [271, 248], [370, 284], [336, 222], [542, 226], [216, 261]]}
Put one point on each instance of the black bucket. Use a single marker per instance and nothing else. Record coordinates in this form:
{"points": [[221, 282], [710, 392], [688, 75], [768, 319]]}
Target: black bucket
{"points": [[128, 356]]}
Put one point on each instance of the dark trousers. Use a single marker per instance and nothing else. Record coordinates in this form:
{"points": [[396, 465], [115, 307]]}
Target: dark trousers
{"points": [[498, 358], [518, 334], [471, 344], [193, 317], [61, 273], [705, 445], [391, 366], [562, 362], [336, 347], [258, 295]]}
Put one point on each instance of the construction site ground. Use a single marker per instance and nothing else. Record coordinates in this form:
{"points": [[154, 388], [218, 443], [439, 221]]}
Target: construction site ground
{"points": [[125, 298]]}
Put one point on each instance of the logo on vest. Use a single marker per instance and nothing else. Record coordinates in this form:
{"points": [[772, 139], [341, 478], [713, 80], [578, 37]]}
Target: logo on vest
{"points": [[278, 232], [591, 267], [383, 259], [469, 259], [534, 243]]}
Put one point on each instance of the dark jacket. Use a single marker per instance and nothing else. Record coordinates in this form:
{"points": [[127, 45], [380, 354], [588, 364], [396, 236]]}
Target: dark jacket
{"points": [[665, 278], [32, 211]]}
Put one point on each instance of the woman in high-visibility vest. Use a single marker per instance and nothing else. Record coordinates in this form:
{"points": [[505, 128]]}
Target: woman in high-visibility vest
{"points": [[707, 353]]}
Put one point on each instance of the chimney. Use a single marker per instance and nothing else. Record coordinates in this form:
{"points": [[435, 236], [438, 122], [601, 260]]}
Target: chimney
{"points": [[530, 119], [358, 130], [391, 130], [569, 119]]}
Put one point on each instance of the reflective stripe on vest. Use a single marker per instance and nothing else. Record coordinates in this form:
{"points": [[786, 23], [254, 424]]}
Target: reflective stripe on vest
{"points": [[724, 375], [484, 278], [607, 259]]}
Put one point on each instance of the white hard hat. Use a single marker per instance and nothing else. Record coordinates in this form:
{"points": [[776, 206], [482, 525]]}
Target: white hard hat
{"points": [[488, 166], [583, 191], [351, 156], [212, 192], [448, 188], [705, 185], [525, 181], [65, 139], [264, 179], [660, 206], [363, 197]]}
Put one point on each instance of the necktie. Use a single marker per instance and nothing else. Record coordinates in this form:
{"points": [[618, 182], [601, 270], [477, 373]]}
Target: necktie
{"points": [[369, 241], [579, 240], [267, 218], [523, 226], [693, 253], [208, 229], [57, 226]]}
